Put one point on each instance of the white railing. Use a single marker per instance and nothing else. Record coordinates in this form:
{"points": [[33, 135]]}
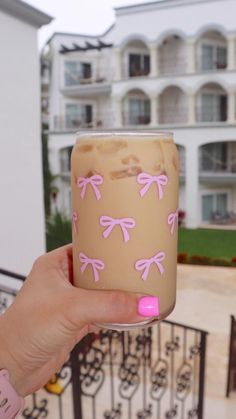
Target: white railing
{"points": [[171, 115], [171, 65], [211, 114], [98, 75], [66, 123]]}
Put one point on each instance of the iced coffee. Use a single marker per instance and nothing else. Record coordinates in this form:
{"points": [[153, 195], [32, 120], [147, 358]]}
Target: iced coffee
{"points": [[125, 213]]}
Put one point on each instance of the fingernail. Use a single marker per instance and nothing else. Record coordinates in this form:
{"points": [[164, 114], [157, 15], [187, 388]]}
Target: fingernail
{"points": [[149, 306]]}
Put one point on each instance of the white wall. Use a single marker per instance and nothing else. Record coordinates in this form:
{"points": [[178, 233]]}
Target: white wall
{"points": [[155, 21], [21, 191]]}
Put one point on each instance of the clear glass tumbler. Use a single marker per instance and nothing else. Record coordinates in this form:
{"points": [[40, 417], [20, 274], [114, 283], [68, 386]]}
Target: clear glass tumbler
{"points": [[125, 214]]}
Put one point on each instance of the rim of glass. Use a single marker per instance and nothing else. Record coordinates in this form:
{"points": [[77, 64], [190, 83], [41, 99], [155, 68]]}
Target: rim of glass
{"points": [[116, 133]]}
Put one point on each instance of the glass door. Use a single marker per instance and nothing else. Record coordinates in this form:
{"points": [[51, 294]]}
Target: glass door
{"points": [[207, 207]]}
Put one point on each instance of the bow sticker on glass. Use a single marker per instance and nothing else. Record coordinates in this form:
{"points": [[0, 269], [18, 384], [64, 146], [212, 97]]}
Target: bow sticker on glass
{"points": [[96, 264], [145, 264], [110, 223], [147, 180], [173, 221], [94, 181]]}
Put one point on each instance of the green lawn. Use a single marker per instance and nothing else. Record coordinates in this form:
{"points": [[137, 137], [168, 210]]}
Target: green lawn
{"points": [[211, 243]]}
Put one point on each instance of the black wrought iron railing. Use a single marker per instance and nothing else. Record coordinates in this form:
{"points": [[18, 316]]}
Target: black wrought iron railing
{"points": [[156, 372]]}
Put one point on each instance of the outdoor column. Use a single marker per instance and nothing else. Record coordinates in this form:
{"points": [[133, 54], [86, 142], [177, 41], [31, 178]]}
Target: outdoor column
{"points": [[118, 112], [192, 203], [153, 60], [231, 107], [231, 52], [191, 56], [118, 63], [154, 111], [191, 109]]}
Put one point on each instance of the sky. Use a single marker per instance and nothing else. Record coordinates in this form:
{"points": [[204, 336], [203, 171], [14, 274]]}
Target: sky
{"points": [[90, 17]]}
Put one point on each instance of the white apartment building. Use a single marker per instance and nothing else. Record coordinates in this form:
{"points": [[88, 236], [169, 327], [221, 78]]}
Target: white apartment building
{"points": [[22, 224], [164, 65]]}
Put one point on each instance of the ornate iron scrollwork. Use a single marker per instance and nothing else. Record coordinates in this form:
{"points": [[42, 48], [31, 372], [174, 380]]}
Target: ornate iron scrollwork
{"points": [[129, 376], [184, 381], [172, 412], [194, 351], [145, 413], [172, 346], [159, 379], [38, 410], [193, 414], [60, 381], [115, 413], [91, 371]]}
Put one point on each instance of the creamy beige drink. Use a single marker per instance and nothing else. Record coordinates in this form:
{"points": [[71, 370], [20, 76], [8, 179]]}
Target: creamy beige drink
{"points": [[125, 213]]}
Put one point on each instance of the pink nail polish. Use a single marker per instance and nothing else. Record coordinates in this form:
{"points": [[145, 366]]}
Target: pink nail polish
{"points": [[149, 306]]}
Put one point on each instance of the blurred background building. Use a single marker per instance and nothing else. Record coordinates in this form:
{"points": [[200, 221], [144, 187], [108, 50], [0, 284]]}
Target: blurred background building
{"points": [[162, 65], [21, 183]]}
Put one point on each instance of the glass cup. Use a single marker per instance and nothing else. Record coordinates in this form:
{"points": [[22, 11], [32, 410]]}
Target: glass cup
{"points": [[125, 215]]}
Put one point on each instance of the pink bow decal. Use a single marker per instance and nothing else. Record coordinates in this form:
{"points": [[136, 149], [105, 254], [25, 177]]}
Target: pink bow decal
{"points": [[144, 264], [95, 263], [172, 218], [147, 180], [75, 219], [94, 181], [110, 223]]}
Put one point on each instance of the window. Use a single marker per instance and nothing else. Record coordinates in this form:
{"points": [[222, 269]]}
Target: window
{"points": [[214, 107], [78, 115], [65, 155], [139, 65], [214, 206], [139, 111], [71, 73], [86, 71], [214, 157], [214, 57], [76, 72]]}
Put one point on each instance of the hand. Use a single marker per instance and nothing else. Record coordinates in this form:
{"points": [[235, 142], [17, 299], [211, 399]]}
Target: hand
{"points": [[49, 316]]}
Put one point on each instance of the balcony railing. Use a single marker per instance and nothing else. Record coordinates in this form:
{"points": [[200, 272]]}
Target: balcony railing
{"points": [[158, 372], [171, 65], [100, 75], [65, 123], [173, 115], [136, 119], [211, 114]]}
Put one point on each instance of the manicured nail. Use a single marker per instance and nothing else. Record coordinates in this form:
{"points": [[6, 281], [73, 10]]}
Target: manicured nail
{"points": [[149, 306]]}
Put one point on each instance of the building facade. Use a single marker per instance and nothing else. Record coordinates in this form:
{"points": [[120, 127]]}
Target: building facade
{"points": [[22, 226], [165, 65]]}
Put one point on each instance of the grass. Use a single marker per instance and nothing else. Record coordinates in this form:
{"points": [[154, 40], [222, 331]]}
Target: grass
{"points": [[211, 243]]}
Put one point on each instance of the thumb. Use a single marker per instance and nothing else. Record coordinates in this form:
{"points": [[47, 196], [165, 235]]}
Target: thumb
{"points": [[91, 306]]}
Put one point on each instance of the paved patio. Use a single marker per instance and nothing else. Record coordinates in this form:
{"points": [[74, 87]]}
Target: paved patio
{"points": [[206, 299]]}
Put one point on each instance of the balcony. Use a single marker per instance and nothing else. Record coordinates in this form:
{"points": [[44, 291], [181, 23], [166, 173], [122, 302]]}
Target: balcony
{"points": [[217, 163], [135, 368], [173, 106], [213, 52], [172, 56], [63, 123], [137, 108], [136, 59], [89, 82], [212, 104]]}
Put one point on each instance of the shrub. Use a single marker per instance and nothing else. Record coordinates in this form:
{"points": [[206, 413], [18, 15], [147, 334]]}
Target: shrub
{"points": [[200, 260], [221, 262], [182, 258], [233, 260]]}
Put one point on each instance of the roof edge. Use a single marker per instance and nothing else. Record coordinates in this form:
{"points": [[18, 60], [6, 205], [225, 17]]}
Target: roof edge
{"points": [[80, 34], [25, 12], [160, 4]]}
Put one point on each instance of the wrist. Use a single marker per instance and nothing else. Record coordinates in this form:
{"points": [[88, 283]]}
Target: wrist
{"points": [[7, 361]]}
